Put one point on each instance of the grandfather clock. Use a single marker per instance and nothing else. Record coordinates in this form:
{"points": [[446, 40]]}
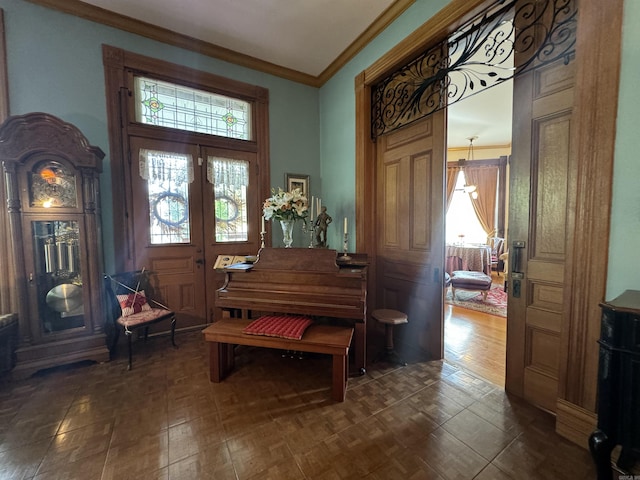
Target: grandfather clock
{"points": [[52, 187]]}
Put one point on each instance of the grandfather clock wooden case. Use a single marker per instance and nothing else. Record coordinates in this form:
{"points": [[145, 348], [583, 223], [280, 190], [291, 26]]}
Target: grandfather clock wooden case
{"points": [[52, 188]]}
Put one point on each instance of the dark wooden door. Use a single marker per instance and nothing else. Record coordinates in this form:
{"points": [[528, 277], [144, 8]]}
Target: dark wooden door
{"points": [[168, 226], [191, 204], [543, 173], [410, 229]]}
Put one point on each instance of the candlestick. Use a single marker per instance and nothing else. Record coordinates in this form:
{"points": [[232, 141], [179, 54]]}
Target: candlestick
{"points": [[345, 245], [262, 239], [312, 231]]}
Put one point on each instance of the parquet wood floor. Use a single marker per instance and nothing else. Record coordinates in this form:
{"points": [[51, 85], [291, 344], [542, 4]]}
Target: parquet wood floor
{"points": [[273, 418]]}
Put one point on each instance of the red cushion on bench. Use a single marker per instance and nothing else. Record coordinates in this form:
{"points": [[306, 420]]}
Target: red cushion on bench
{"points": [[283, 326]]}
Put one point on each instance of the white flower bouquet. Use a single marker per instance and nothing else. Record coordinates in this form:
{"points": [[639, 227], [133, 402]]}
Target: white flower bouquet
{"points": [[283, 205]]}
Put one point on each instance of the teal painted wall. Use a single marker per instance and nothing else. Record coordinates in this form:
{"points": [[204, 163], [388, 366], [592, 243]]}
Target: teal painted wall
{"points": [[54, 62], [624, 242], [55, 66], [337, 142], [337, 120]]}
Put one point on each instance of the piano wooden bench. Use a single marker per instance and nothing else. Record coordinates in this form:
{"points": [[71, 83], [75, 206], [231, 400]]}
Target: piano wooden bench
{"points": [[327, 339]]}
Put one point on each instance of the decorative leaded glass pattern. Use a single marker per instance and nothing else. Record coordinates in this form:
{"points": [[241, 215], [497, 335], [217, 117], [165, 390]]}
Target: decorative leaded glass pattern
{"points": [[168, 178], [175, 106], [230, 179]]}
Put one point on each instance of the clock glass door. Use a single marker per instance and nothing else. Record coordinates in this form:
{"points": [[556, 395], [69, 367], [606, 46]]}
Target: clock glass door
{"points": [[58, 275]]}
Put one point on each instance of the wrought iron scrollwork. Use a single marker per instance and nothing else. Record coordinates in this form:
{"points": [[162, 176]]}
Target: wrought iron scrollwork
{"points": [[507, 39]]}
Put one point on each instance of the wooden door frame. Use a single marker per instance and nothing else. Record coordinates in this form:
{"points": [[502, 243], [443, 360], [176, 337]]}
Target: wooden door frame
{"points": [[8, 296], [117, 62], [598, 49]]}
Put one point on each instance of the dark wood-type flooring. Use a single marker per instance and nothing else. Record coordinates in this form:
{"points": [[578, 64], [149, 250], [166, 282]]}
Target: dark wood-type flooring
{"points": [[273, 418]]}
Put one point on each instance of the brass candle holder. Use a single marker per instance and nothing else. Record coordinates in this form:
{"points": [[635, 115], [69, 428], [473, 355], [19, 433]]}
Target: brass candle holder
{"points": [[345, 248]]}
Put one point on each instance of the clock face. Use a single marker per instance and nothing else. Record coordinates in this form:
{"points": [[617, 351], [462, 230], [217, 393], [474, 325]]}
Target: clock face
{"points": [[52, 186]]}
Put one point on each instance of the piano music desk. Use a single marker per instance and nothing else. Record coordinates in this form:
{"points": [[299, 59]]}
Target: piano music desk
{"points": [[328, 339]]}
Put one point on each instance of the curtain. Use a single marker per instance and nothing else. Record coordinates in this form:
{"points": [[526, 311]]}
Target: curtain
{"points": [[452, 178], [166, 166], [227, 171], [486, 181]]}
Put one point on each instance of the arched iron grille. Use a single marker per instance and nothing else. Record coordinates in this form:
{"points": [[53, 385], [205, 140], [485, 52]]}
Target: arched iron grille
{"points": [[478, 56]]}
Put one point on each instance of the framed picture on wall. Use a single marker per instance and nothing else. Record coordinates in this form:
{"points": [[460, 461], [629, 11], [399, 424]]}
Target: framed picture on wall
{"points": [[293, 181]]}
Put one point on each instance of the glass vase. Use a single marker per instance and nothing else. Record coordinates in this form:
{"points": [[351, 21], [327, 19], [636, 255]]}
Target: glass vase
{"points": [[287, 232]]}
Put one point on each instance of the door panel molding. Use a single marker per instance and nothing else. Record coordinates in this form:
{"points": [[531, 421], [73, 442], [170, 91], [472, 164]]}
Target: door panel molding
{"points": [[550, 79], [550, 169], [544, 320], [411, 163], [421, 170], [391, 223]]}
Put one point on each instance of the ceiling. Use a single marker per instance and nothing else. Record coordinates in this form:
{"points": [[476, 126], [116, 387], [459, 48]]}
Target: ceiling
{"points": [[303, 35], [306, 36]]}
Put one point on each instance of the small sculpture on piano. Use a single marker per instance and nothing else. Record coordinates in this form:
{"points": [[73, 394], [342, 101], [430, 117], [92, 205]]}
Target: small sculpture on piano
{"points": [[322, 222]]}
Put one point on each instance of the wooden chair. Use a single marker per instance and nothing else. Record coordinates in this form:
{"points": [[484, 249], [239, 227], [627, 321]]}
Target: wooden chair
{"points": [[505, 268], [131, 307], [497, 249]]}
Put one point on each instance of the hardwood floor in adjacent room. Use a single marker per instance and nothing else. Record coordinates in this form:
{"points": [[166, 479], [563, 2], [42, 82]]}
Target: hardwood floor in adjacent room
{"points": [[476, 341], [272, 418]]}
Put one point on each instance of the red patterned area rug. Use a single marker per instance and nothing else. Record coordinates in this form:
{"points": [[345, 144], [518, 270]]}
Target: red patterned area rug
{"points": [[496, 303]]}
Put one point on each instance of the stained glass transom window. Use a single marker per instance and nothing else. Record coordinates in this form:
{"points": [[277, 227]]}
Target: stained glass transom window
{"points": [[168, 177], [230, 179], [175, 106]]}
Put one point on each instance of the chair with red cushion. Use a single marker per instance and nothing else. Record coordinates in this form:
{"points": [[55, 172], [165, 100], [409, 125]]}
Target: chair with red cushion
{"points": [[132, 307]]}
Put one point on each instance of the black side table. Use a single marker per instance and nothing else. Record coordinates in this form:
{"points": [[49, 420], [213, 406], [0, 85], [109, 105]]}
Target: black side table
{"points": [[618, 385]]}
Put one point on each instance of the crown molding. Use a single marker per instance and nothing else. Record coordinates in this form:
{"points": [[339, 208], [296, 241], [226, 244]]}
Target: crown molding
{"points": [[385, 19], [169, 37], [478, 148]]}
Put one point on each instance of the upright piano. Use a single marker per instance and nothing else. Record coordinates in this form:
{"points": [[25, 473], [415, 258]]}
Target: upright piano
{"points": [[304, 281]]}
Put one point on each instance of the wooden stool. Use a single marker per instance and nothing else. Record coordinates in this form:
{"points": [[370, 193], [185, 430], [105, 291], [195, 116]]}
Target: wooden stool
{"points": [[389, 318]]}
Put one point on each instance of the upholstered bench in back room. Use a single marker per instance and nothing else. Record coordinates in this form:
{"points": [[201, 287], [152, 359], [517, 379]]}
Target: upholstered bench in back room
{"points": [[470, 280]]}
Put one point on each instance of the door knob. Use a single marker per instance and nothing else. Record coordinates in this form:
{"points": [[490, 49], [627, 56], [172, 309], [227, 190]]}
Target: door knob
{"points": [[200, 261]]}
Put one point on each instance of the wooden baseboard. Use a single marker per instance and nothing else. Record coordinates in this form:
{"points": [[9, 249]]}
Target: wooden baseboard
{"points": [[575, 423]]}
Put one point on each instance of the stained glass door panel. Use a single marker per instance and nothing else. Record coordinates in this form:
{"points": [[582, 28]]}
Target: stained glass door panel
{"points": [[167, 222], [168, 177]]}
